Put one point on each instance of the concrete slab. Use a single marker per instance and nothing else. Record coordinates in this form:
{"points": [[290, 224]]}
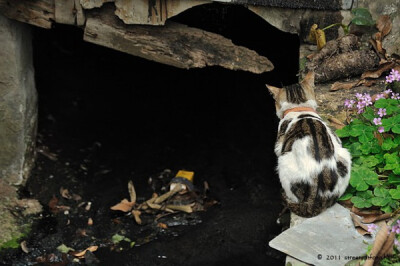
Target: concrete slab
{"points": [[327, 239]]}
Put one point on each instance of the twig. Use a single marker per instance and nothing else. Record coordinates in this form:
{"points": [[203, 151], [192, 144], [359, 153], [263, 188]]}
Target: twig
{"points": [[169, 194]]}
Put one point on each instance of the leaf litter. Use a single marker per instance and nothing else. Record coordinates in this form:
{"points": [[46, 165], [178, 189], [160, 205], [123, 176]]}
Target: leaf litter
{"points": [[179, 199]]}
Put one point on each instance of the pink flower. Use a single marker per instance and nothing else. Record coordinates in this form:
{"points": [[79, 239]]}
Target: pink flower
{"points": [[395, 96], [393, 76], [379, 96], [372, 228], [349, 103], [397, 244], [382, 112], [367, 99], [381, 129], [388, 91], [377, 121]]}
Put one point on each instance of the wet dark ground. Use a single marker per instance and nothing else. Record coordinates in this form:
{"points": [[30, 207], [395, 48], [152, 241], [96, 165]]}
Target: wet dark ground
{"points": [[110, 118]]}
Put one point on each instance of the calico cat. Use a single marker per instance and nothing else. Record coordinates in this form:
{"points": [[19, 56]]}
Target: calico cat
{"points": [[313, 167]]}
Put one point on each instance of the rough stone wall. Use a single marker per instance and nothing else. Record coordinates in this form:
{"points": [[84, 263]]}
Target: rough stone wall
{"points": [[386, 7], [18, 101]]}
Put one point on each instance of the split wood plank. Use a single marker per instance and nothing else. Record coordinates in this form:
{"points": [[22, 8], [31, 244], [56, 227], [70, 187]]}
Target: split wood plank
{"points": [[173, 44], [38, 13], [69, 12]]}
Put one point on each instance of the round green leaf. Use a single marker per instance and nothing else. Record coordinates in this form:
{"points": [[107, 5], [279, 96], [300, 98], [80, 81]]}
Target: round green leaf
{"points": [[361, 202], [343, 132], [369, 161], [346, 196], [395, 193], [355, 149], [369, 176], [393, 179], [362, 21], [357, 181], [387, 209], [361, 12], [388, 144], [381, 192], [378, 201], [396, 128]]}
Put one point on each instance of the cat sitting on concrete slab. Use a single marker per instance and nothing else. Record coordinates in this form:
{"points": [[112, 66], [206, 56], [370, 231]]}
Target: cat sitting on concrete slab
{"points": [[313, 167]]}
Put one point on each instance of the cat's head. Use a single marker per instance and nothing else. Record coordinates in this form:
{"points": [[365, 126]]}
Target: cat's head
{"points": [[295, 95]]}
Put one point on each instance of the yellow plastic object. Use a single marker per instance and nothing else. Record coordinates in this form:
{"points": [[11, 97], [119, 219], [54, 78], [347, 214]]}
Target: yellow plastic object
{"points": [[185, 174]]}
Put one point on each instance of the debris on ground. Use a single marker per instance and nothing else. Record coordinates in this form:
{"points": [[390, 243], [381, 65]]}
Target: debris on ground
{"points": [[181, 197], [346, 56]]}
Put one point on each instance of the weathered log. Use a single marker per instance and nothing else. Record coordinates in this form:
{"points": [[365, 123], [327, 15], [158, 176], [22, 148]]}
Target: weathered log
{"points": [[69, 12], [344, 44], [344, 65], [39, 13], [173, 44]]}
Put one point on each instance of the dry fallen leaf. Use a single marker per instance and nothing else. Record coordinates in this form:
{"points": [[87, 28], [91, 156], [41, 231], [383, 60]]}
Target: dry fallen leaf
{"points": [[375, 217], [63, 207], [76, 197], [362, 231], [136, 214], [311, 34], [380, 240], [124, 206], [81, 232], [206, 187], [65, 193], [24, 247], [378, 40], [384, 25], [132, 191], [162, 225], [378, 72], [183, 208], [336, 123], [364, 212], [317, 36], [343, 85], [169, 194], [88, 206], [387, 248], [53, 204], [369, 82], [361, 228], [82, 253]]}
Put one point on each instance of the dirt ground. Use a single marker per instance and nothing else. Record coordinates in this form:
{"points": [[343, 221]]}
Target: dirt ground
{"points": [[106, 118]]}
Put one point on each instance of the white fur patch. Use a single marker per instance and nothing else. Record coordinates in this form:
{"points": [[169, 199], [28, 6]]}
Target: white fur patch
{"points": [[299, 165]]}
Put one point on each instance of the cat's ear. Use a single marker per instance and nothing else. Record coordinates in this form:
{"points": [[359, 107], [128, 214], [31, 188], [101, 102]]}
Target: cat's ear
{"points": [[308, 80], [273, 90]]}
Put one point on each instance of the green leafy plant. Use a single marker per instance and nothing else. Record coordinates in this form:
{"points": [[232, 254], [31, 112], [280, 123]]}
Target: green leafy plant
{"points": [[361, 17], [373, 139]]}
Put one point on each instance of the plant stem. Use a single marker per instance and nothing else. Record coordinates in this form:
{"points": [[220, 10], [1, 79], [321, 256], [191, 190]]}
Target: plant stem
{"points": [[336, 24]]}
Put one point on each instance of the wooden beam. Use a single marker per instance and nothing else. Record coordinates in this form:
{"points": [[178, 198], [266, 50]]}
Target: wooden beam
{"points": [[173, 44], [35, 12], [69, 12]]}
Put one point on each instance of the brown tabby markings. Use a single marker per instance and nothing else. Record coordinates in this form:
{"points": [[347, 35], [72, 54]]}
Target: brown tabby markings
{"points": [[308, 191], [283, 129], [327, 179], [323, 146], [342, 169], [311, 202], [295, 94]]}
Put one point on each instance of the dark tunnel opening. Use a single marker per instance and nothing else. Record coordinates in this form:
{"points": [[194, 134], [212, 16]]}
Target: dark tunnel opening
{"points": [[109, 117]]}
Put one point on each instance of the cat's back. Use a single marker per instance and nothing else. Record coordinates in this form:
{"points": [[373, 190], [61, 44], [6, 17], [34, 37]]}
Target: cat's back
{"points": [[306, 131]]}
